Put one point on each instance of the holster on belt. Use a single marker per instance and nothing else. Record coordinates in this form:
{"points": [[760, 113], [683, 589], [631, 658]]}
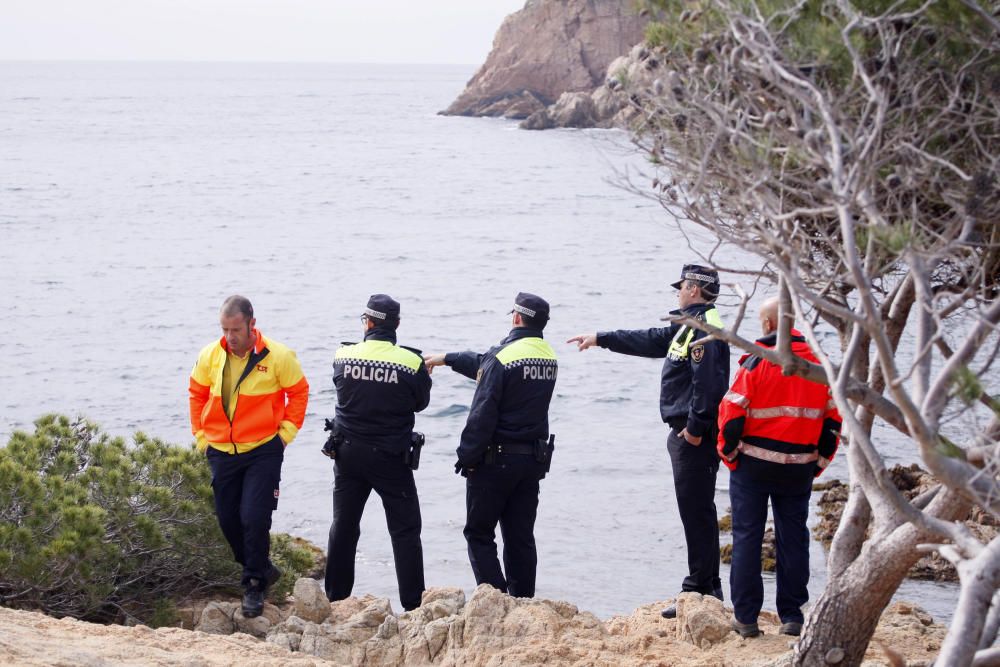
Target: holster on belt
{"points": [[544, 449], [412, 455], [335, 439]]}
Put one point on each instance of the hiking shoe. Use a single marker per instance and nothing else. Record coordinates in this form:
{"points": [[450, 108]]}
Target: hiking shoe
{"points": [[746, 629], [253, 600], [793, 628], [271, 576], [669, 612]]}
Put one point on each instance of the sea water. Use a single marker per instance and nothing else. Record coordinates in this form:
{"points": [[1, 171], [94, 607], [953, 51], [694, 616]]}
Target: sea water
{"points": [[135, 197]]}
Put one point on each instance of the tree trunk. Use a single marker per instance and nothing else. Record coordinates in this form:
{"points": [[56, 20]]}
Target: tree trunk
{"points": [[840, 625]]}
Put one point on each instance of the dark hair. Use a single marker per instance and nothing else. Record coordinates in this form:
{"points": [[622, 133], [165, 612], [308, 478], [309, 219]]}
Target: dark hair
{"points": [[389, 323], [708, 293], [238, 304], [537, 322]]}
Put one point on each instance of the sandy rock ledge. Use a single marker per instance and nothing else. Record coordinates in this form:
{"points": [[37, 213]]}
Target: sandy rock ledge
{"points": [[488, 629]]}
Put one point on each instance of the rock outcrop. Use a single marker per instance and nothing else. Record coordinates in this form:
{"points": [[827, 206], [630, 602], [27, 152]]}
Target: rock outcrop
{"points": [[492, 628], [548, 48], [488, 629]]}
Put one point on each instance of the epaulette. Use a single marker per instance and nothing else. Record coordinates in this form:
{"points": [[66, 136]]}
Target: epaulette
{"points": [[414, 350]]}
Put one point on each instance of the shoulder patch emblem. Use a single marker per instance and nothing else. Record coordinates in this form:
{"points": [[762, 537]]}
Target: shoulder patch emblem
{"points": [[697, 352]]}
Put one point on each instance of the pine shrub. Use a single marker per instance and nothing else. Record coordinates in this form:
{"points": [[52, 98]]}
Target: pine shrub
{"points": [[95, 528]]}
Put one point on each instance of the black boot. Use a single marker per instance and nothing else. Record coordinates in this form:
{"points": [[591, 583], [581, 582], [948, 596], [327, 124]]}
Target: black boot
{"points": [[253, 599]]}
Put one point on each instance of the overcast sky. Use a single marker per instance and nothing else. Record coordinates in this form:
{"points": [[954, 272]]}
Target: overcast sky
{"points": [[371, 31]]}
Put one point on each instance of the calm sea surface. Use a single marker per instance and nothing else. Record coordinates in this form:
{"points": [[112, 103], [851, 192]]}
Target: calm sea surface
{"points": [[135, 197]]}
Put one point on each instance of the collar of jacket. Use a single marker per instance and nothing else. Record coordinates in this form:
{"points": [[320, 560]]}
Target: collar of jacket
{"points": [[521, 332], [770, 340], [694, 309], [381, 333], [258, 346]]}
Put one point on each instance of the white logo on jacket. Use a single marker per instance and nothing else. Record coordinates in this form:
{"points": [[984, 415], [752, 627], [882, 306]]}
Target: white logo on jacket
{"points": [[371, 374]]}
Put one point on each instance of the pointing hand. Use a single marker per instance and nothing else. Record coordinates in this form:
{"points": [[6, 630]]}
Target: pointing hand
{"points": [[583, 341]]}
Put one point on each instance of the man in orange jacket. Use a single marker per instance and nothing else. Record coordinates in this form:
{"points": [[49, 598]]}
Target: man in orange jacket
{"points": [[776, 433], [248, 400]]}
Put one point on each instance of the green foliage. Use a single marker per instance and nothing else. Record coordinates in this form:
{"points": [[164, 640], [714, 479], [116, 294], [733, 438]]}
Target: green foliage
{"points": [[296, 558], [93, 528], [164, 614], [762, 105], [659, 33], [810, 32], [968, 387]]}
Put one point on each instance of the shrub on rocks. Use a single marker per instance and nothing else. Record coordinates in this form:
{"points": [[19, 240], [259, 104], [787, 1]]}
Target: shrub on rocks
{"points": [[95, 528]]}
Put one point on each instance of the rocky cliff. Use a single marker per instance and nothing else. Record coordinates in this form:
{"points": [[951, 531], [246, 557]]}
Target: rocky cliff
{"points": [[488, 629], [549, 48]]}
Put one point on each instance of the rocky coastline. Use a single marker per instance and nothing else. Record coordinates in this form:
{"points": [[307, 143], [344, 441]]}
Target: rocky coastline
{"points": [[911, 481], [490, 628], [557, 63]]}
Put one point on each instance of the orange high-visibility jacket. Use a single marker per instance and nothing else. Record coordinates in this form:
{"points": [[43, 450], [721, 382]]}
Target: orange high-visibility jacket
{"points": [[775, 412], [271, 397]]}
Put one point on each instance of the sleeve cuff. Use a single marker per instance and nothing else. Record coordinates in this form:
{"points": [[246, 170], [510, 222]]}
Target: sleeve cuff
{"points": [[200, 442], [602, 338], [695, 427], [287, 432], [449, 358]]}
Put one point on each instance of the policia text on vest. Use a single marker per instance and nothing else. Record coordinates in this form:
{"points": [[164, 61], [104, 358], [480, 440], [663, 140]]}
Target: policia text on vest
{"points": [[379, 385], [506, 448]]}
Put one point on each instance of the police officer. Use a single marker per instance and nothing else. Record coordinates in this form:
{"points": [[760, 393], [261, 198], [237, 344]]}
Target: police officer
{"points": [[506, 446], [693, 380], [379, 386], [777, 432]]}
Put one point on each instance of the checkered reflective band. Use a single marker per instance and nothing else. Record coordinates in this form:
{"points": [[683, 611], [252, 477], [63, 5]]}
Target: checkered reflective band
{"points": [[374, 313], [524, 311], [699, 276]]}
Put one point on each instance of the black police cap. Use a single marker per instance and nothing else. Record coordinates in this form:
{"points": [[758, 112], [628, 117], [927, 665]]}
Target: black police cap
{"points": [[382, 308], [707, 278], [531, 305]]}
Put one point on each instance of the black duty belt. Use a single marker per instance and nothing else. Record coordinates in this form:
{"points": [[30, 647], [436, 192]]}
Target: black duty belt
{"points": [[516, 448]]}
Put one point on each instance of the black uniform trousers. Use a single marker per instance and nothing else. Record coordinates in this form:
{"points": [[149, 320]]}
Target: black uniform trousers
{"points": [[749, 493], [694, 470], [358, 469], [504, 492], [245, 487]]}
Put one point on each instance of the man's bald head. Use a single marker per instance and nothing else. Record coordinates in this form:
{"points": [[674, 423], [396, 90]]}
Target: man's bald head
{"points": [[769, 316]]}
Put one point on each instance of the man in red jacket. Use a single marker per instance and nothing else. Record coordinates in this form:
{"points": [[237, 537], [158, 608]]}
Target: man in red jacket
{"points": [[776, 433]]}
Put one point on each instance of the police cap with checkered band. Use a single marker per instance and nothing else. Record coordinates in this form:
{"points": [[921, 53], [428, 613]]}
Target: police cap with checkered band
{"points": [[382, 309], [706, 278], [531, 305]]}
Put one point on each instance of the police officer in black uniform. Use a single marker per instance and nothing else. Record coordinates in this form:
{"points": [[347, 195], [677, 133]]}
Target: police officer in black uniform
{"points": [[693, 381], [379, 386], [506, 447]]}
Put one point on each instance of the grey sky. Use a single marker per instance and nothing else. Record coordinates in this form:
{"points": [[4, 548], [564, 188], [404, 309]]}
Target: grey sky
{"points": [[389, 31]]}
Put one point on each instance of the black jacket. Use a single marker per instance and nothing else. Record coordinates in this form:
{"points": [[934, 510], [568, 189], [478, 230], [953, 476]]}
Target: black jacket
{"points": [[692, 383], [515, 380], [379, 386]]}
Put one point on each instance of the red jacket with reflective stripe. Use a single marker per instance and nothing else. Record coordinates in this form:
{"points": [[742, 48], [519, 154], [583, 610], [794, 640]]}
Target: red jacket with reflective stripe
{"points": [[786, 414], [271, 399]]}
